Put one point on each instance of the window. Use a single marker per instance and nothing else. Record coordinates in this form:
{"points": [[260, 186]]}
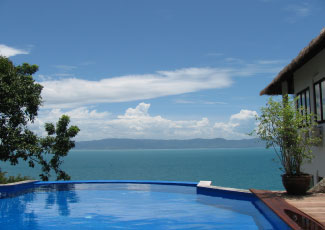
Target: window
{"points": [[319, 89], [304, 100]]}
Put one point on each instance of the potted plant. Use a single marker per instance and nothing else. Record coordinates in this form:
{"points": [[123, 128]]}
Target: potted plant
{"points": [[290, 130]]}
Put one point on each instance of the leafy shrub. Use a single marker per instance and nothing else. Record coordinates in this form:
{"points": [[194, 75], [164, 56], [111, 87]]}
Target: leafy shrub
{"points": [[11, 179]]}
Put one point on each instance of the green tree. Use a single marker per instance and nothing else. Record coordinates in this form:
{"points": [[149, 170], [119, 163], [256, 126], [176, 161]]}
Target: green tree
{"points": [[20, 99], [290, 130]]}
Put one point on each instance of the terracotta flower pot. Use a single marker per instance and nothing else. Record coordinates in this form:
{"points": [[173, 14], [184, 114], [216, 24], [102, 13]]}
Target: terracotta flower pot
{"points": [[296, 184]]}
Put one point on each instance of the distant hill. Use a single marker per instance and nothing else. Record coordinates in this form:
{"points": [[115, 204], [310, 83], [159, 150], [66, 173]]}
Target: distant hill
{"points": [[168, 144]]}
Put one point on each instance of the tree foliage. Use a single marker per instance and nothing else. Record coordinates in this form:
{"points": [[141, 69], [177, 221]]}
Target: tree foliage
{"points": [[20, 99], [290, 130]]}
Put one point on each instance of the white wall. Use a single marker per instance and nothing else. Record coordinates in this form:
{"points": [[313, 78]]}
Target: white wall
{"points": [[306, 76]]}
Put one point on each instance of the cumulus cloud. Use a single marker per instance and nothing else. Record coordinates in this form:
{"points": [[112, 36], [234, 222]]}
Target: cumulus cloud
{"points": [[73, 92], [243, 115], [140, 111], [138, 123], [89, 120], [8, 51], [239, 125]]}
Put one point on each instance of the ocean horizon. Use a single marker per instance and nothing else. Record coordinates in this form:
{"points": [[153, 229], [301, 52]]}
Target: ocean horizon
{"points": [[228, 167]]}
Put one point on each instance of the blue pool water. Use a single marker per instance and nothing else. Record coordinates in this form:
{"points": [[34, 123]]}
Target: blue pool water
{"points": [[131, 206]]}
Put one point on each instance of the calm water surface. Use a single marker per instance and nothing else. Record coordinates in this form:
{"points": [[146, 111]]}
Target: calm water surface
{"points": [[239, 168], [130, 206]]}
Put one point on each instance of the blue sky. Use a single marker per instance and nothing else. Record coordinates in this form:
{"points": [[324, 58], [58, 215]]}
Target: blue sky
{"points": [[156, 69]]}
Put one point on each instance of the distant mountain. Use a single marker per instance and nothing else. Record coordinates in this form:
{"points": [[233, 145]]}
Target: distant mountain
{"points": [[168, 144]]}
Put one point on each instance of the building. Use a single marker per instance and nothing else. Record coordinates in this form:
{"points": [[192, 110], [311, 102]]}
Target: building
{"points": [[305, 77]]}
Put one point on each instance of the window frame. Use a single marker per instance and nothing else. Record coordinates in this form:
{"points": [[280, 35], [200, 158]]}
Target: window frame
{"points": [[304, 92], [322, 112]]}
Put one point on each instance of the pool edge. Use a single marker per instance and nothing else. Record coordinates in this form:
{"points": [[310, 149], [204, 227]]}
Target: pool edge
{"points": [[182, 183], [24, 182]]}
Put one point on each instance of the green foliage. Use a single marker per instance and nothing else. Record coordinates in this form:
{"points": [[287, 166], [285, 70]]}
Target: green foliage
{"points": [[58, 142], [20, 100], [290, 130], [11, 179]]}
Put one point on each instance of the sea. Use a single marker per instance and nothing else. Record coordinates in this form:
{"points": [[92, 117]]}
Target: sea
{"points": [[229, 167]]}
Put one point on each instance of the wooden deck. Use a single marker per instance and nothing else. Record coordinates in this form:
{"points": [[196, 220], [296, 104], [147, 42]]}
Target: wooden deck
{"points": [[313, 205], [299, 212]]}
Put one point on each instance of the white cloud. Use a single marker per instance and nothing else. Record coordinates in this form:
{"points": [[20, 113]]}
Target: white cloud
{"points": [[138, 123], [43, 77], [90, 121], [140, 111], [239, 125], [243, 115], [53, 77], [73, 92], [8, 51]]}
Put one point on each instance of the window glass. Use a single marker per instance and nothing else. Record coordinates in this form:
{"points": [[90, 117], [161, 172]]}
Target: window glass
{"points": [[317, 102], [303, 102], [323, 98], [307, 101], [299, 101]]}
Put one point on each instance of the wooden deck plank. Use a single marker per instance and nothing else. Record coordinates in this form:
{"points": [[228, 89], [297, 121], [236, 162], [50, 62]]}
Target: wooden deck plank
{"points": [[311, 206]]}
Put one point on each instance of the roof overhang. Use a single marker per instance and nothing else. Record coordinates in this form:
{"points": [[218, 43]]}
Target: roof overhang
{"points": [[286, 74]]}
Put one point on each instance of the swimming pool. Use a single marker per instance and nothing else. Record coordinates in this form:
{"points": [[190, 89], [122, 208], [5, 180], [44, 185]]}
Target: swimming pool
{"points": [[131, 205]]}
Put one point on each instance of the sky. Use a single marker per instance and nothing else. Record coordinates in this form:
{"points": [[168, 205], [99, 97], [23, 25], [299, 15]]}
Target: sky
{"points": [[168, 69]]}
